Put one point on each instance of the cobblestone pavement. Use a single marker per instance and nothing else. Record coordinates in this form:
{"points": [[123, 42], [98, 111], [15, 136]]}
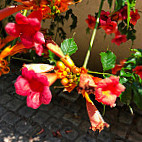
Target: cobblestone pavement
{"points": [[64, 120]]}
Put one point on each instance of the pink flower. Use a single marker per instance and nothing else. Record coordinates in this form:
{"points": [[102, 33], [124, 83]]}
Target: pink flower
{"points": [[138, 70], [104, 17], [27, 28], [108, 90], [123, 13], [35, 86], [110, 27], [119, 38], [134, 17], [91, 21]]}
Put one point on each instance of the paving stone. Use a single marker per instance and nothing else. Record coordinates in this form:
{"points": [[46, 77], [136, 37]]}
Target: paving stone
{"points": [[74, 108], [84, 126], [111, 115], [5, 98], [52, 139], [10, 118], [51, 121], [73, 96], [104, 136], [125, 117], [57, 111], [85, 138], [70, 117], [21, 138], [40, 117], [19, 97], [4, 130], [139, 125], [23, 126], [10, 90], [26, 111], [135, 137], [14, 104], [4, 85], [119, 129], [34, 130], [2, 110], [46, 107], [69, 133], [53, 124]]}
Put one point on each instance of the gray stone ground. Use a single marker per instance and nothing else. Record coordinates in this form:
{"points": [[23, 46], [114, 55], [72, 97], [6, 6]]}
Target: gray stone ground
{"points": [[64, 120]]}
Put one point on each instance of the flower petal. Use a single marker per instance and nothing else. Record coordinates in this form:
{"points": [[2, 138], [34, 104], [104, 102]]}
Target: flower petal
{"points": [[27, 74], [39, 49], [34, 23], [39, 68], [10, 10], [46, 95], [41, 78], [33, 100], [27, 41], [20, 19], [12, 29], [22, 86], [39, 38], [36, 14]]}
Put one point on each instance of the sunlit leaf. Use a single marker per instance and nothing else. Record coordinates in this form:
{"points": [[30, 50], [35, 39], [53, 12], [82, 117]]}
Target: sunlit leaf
{"points": [[108, 60], [69, 46]]}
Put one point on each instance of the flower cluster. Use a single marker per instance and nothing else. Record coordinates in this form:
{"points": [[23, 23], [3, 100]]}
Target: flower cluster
{"points": [[138, 70], [35, 81], [27, 28], [109, 23]]}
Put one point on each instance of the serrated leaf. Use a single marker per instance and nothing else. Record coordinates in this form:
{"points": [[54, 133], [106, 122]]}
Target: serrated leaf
{"points": [[126, 96], [108, 60], [69, 46]]}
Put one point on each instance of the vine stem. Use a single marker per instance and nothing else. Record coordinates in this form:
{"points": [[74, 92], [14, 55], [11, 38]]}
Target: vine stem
{"points": [[93, 36], [22, 59], [99, 73]]}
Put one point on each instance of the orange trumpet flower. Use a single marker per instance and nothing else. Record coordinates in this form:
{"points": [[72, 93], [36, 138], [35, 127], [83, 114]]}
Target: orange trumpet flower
{"points": [[3, 42], [9, 51], [10, 10]]}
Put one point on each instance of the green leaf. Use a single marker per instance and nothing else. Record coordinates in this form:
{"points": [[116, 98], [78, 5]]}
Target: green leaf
{"points": [[119, 4], [126, 96], [51, 57], [132, 60], [69, 46], [138, 95], [110, 3], [108, 60], [123, 80], [126, 74]]}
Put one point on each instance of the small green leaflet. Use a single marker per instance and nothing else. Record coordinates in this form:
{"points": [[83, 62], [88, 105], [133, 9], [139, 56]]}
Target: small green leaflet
{"points": [[108, 60], [69, 46]]}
